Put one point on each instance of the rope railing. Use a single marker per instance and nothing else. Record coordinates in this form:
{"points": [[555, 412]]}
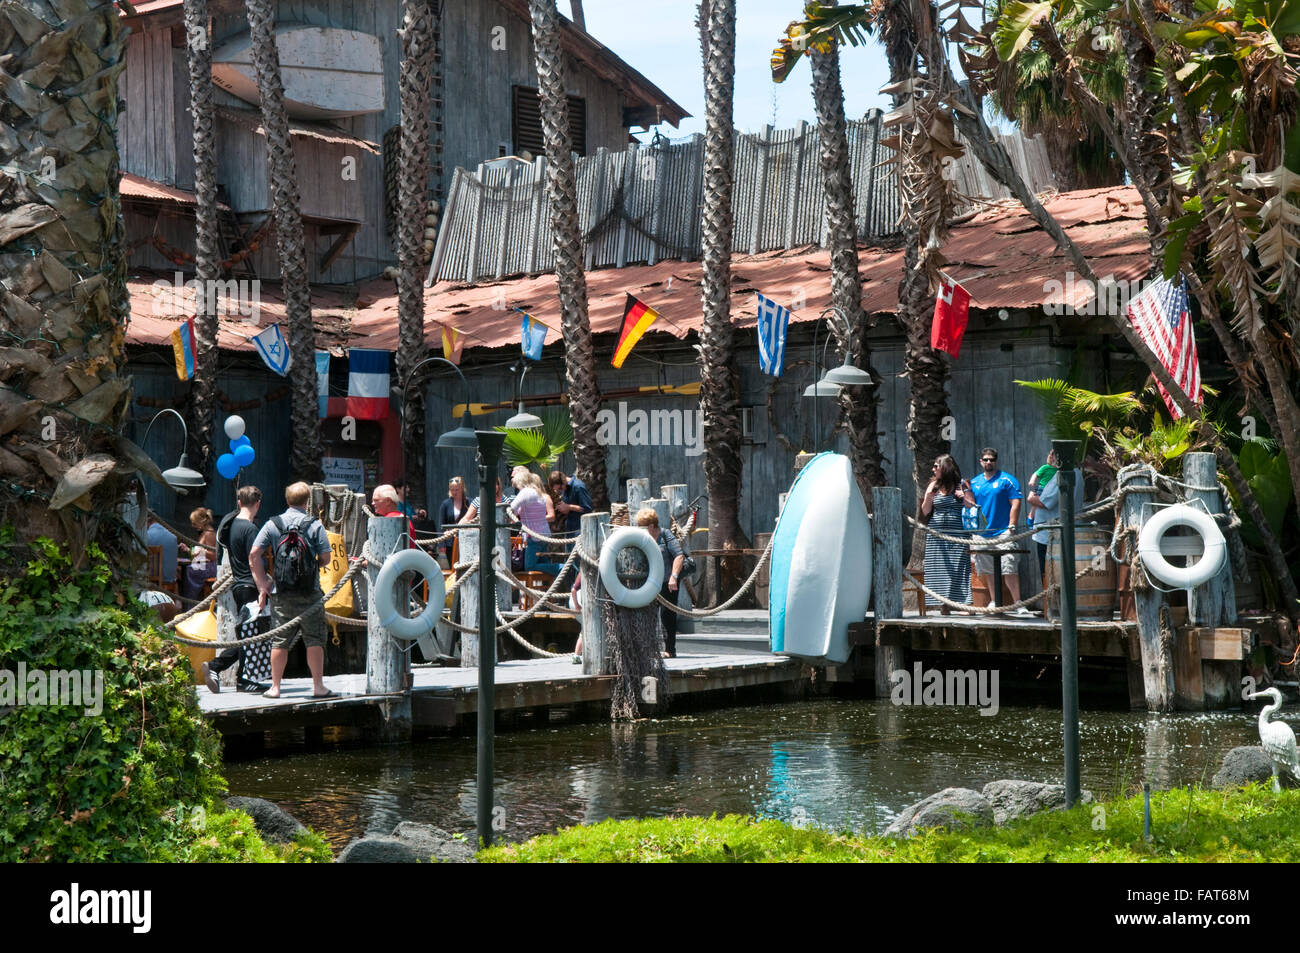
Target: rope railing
{"points": [[992, 609]]}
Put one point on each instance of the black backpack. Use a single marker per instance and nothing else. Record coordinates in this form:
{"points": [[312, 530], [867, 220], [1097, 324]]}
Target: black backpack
{"points": [[295, 567]]}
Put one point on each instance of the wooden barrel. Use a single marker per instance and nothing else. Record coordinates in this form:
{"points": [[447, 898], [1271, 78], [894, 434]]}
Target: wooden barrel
{"points": [[1095, 589]]}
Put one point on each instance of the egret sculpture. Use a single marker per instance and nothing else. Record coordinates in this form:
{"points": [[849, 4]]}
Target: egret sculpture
{"points": [[1276, 736]]}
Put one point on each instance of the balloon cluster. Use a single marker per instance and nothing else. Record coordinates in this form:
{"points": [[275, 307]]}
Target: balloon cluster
{"points": [[241, 449]]}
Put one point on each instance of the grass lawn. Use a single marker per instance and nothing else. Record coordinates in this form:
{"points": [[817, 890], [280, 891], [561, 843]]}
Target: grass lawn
{"points": [[1252, 824]]}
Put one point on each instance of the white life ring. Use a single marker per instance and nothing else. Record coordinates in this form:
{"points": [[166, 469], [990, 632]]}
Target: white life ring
{"points": [[644, 595], [385, 605], [1182, 577]]}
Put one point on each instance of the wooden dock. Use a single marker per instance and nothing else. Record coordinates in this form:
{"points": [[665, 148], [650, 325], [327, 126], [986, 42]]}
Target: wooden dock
{"points": [[442, 697]]}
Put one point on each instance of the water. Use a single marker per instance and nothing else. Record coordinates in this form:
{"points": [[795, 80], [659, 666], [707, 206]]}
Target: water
{"points": [[836, 763]]}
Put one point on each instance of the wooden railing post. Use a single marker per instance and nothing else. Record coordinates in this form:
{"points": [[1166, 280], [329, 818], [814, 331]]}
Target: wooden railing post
{"points": [[469, 601], [1213, 604], [386, 663], [886, 577], [1157, 667], [503, 543], [638, 488], [594, 655]]}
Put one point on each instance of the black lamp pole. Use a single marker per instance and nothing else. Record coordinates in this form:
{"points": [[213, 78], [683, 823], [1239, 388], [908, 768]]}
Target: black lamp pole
{"points": [[490, 443], [1067, 451]]}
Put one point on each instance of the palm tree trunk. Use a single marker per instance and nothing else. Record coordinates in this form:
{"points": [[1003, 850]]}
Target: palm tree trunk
{"points": [[203, 390], [860, 403], [561, 193], [719, 382], [63, 399], [414, 83], [305, 455]]}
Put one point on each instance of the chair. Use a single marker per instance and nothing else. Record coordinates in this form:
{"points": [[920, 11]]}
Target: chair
{"points": [[154, 571], [920, 594]]}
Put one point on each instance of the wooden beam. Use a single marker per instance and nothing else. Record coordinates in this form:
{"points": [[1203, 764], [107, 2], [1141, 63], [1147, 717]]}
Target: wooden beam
{"points": [[340, 243], [886, 577], [1189, 694], [386, 665], [1157, 672]]}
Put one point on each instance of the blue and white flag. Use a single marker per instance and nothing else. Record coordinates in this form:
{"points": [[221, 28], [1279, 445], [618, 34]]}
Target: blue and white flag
{"points": [[274, 349], [323, 381], [772, 323], [532, 337]]}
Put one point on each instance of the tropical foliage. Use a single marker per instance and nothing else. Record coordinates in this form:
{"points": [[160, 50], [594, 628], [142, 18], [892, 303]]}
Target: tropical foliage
{"points": [[542, 447]]}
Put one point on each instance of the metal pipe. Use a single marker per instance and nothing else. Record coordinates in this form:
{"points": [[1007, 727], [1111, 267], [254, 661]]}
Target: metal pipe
{"points": [[407, 544], [490, 443], [1067, 451]]}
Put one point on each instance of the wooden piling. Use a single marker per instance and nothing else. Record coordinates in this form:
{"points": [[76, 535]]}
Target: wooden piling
{"points": [[638, 489], [595, 660], [886, 576], [1214, 604], [469, 602], [386, 663], [502, 543], [1157, 666]]}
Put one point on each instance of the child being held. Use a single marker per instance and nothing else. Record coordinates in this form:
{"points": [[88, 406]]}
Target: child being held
{"points": [[1042, 476]]}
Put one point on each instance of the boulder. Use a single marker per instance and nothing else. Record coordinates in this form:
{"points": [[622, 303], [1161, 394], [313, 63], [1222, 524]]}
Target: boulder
{"points": [[952, 808], [432, 843], [1245, 764], [1014, 799], [272, 822], [377, 850]]}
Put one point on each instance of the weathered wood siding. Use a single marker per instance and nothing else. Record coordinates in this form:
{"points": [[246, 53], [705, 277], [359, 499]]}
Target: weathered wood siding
{"points": [[267, 428], [989, 409], [147, 129]]}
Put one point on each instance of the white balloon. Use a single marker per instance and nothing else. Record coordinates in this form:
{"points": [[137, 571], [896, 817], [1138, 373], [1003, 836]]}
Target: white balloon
{"points": [[234, 426]]}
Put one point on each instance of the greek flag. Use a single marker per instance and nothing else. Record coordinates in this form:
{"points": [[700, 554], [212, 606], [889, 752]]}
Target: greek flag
{"points": [[274, 349], [772, 323]]}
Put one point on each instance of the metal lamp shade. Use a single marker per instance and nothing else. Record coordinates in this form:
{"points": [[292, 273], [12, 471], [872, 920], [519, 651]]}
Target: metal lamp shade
{"points": [[822, 388], [524, 421], [462, 438], [181, 477], [846, 375]]}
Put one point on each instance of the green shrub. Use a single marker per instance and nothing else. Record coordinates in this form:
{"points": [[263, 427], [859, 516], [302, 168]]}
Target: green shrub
{"points": [[138, 781]]}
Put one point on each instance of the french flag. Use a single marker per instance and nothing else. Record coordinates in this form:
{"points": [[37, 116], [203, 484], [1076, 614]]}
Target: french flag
{"points": [[367, 384]]}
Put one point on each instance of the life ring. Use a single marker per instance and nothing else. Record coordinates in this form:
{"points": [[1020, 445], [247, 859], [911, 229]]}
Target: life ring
{"points": [[644, 595], [1182, 577], [385, 606]]}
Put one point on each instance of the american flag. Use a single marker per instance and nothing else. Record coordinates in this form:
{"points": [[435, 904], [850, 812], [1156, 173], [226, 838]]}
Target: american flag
{"points": [[1160, 317]]}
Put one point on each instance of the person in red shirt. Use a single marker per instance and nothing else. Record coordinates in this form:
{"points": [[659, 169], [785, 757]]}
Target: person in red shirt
{"points": [[384, 502]]}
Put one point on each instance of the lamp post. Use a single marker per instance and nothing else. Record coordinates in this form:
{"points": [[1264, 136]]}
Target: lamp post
{"points": [[1067, 451], [179, 477], [846, 375], [488, 443], [466, 428]]}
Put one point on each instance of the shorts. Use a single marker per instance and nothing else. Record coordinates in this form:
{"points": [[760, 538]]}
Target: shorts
{"points": [[984, 555], [290, 605]]}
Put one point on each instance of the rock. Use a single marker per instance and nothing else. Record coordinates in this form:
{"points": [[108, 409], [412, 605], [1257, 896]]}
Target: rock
{"points": [[1248, 763], [377, 850], [952, 808], [431, 843], [1015, 799], [272, 821]]}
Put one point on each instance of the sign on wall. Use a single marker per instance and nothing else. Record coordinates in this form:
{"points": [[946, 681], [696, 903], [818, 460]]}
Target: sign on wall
{"points": [[349, 471]]}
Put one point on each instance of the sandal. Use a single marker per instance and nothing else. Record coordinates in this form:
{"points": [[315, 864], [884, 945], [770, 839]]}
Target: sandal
{"points": [[328, 694], [267, 694]]}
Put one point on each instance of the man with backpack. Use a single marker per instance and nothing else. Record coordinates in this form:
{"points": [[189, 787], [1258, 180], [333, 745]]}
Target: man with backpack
{"points": [[299, 548]]}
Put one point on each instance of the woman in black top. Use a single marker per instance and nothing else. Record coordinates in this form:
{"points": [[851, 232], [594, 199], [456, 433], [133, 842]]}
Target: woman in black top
{"points": [[451, 510]]}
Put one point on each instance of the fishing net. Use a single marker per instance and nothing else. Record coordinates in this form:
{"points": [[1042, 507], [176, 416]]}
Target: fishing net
{"points": [[636, 647]]}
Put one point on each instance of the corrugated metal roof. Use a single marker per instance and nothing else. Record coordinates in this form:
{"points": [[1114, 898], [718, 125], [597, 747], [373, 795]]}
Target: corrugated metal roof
{"points": [[251, 119], [138, 187], [1001, 257]]}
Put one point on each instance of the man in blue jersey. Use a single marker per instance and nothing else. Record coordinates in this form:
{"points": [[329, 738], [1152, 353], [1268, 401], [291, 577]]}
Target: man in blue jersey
{"points": [[997, 493]]}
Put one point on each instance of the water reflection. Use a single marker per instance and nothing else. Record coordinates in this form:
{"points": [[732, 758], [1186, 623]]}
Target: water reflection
{"points": [[832, 762]]}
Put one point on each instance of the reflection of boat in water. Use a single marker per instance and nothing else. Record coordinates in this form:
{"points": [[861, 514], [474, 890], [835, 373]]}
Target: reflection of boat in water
{"points": [[821, 563]]}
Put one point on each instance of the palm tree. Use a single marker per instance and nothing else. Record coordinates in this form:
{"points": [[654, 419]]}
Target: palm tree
{"points": [[417, 33], [63, 399], [561, 193], [719, 382], [305, 455], [860, 403], [203, 390]]}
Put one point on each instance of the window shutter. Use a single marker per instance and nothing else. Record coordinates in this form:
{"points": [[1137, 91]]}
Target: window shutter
{"points": [[526, 128]]}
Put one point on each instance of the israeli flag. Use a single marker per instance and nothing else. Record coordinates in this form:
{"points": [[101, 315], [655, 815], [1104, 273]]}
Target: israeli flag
{"points": [[772, 323], [274, 349]]}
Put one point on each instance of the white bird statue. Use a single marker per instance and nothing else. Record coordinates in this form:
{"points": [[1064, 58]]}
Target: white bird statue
{"points": [[1276, 736]]}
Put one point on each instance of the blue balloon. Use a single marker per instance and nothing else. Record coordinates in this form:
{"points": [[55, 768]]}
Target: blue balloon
{"points": [[227, 466], [240, 442], [244, 455]]}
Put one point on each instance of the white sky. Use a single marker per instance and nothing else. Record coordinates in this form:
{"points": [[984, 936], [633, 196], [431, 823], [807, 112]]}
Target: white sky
{"points": [[659, 38]]}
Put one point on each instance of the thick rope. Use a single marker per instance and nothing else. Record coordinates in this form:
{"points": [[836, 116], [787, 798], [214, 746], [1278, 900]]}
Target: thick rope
{"points": [[227, 583], [749, 583], [1097, 507], [507, 576], [991, 609], [189, 541], [532, 611], [549, 540]]}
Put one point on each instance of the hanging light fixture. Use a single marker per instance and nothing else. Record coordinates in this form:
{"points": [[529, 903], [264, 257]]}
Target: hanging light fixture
{"points": [[179, 477], [523, 420]]}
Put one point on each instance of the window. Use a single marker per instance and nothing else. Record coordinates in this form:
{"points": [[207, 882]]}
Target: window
{"points": [[526, 129]]}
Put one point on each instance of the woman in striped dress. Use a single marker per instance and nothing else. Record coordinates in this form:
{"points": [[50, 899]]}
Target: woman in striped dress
{"points": [[947, 565]]}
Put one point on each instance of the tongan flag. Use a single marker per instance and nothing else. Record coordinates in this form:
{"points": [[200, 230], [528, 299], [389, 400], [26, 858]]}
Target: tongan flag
{"points": [[951, 312], [183, 347], [274, 349], [1161, 318], [453, 342], [533, 336], [637, 318], [772, 323], [323, 381], [367, 384]]}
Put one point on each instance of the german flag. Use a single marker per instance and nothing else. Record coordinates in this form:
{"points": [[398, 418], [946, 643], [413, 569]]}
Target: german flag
{"points": [[637, 318]]}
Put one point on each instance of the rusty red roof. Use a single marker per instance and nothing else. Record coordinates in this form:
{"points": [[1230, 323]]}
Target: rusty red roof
{"points": [[1000, 256], [138, 187]]}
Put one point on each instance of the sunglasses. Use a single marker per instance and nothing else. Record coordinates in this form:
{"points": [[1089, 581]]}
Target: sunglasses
{"points": [[988, 459]]}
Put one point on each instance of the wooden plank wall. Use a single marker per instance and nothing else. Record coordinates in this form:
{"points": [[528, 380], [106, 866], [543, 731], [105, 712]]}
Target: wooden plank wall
{"points": [[147, 130], [988, 409]]}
